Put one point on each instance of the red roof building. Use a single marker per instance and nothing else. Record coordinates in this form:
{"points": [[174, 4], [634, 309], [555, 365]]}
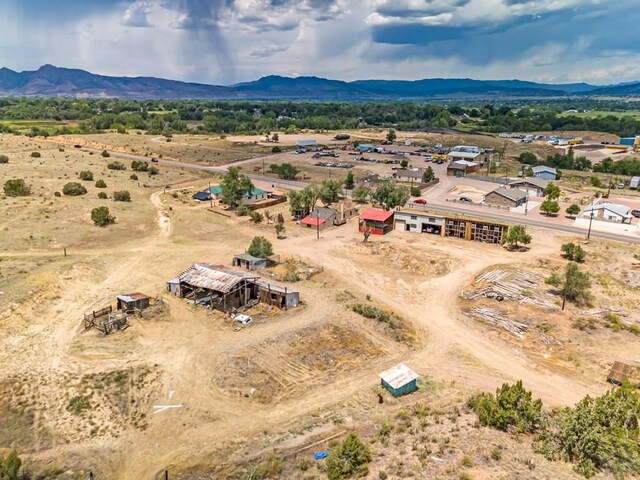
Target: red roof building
{"points": [[378, 222], [310, 221]]}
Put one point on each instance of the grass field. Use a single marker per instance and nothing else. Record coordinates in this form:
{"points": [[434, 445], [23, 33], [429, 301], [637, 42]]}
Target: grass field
{"points": [[603, 113], [27, 125]]}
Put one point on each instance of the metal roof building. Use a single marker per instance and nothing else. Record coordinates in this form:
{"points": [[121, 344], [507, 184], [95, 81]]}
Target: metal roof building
{"points": [[217, 285], [399, 380]]}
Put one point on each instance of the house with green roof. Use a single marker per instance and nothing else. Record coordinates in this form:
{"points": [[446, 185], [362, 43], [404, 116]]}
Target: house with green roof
{"points": [[256, 195]]}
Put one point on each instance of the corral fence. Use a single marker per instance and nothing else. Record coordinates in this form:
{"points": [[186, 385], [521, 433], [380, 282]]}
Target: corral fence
{"points": [[90, 318]]}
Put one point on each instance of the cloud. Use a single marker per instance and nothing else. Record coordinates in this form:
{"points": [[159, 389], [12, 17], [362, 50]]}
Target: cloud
{"points": [[267, 50], [137, 15], [225, 41]]}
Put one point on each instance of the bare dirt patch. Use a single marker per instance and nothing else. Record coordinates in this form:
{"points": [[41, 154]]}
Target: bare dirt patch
{"points": [[282, 367]]}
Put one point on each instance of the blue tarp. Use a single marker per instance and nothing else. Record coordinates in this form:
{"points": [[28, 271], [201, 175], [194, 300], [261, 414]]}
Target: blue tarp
{"points": [[321, 455]]}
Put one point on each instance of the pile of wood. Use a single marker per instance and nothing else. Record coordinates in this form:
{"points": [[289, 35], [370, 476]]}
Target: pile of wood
{"points": [[517, 286], [497, 319]]}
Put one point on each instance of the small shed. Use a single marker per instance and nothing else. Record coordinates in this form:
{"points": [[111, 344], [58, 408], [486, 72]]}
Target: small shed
{"points": [[173, 286], [249, 262], [399, 380], [619, 373], [635, 182], [378, 222], [132, 301], [202, 196], [308, 142], [281, 297]]}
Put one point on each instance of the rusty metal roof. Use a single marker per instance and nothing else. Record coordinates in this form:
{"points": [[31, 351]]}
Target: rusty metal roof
{"points": [[398, 376], [619, 372], [214, 277], [132, 297]]}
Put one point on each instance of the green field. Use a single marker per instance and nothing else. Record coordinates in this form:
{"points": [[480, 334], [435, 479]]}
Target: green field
{"points": [[603, 113], [27, 125]]}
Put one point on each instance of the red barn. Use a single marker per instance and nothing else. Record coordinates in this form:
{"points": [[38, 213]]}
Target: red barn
{"points": [[378, 222]]}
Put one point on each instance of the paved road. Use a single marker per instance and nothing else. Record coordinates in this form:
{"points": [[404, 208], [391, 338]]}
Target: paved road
{"points": [[509, 219], [524, 220]]}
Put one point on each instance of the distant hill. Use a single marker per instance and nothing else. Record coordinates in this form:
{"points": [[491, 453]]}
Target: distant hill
{"points": [[618, 90], [51, 81]]}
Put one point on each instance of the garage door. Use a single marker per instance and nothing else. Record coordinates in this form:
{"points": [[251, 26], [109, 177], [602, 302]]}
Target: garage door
{"points": [[401, 225]]}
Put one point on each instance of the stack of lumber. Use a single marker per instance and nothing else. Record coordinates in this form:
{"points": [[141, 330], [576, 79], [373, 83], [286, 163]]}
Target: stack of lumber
{"points": [[497, 319], [516, 286]]}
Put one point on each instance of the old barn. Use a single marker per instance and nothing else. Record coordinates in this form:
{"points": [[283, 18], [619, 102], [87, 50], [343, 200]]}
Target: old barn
{"points": [[217, 286]]}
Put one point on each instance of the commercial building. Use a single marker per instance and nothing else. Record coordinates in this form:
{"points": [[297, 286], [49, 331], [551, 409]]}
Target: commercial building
{"points": [[462, 167], [463, 228]]}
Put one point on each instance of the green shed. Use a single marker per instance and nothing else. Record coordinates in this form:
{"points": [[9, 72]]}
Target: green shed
{"points": [[399, 380]]}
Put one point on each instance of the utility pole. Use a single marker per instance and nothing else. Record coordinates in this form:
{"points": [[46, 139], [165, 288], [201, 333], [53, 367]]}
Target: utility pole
{"points": [[317, 223], [210, 196], [610, 180], [590, 222]]}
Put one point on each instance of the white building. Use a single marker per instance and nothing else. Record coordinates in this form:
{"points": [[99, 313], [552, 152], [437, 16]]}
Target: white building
{"points": [[609, 212]]}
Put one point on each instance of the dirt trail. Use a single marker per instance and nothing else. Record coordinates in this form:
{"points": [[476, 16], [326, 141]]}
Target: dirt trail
{"points": [[433, 305]]}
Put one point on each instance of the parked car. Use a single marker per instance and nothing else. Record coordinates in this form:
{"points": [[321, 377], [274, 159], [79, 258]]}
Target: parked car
{"points": [[154, 160], [466, 200], [440, 162], [77, 146], [520, 173], [243, 319], [621, 185], [635, 213], [421, 201]]}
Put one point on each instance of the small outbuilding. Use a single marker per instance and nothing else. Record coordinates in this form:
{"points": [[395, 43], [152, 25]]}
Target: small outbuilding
{"points": [[249, 262], [132, 301], [619, 373], [275, 295], [173, 286], [308, 142], [634, 183], [376, 221], [202, 196], [399, 380]]}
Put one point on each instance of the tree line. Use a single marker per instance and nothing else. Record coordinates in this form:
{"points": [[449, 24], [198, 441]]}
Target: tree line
{"points": [[222, 117]]}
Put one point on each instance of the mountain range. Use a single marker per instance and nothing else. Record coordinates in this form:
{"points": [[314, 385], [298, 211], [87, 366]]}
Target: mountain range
{"points": [[51, 81]]}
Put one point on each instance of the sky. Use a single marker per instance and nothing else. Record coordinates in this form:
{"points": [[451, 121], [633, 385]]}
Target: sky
{"points": [[228, 41]]}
